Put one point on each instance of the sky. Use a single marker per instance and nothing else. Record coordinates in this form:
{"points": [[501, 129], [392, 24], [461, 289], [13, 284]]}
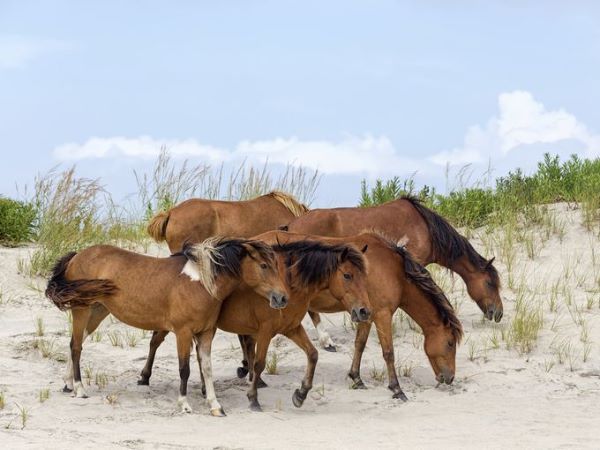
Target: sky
{"points": [[354, 89]]}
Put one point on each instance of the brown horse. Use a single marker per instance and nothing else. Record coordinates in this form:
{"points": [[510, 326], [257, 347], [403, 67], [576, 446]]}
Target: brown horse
{"points": [[396, 280], [431, 239], [163, 294], [197, 219], [311, 267]]}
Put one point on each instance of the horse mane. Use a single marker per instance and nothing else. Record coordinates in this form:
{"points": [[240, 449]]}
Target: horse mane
{"points": [[448, 245], [315, 262], [421, 277], [219, 256], [293, 205]]}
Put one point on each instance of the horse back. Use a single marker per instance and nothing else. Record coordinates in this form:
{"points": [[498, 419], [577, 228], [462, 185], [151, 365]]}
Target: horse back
{"points": [[395, 220], [196, 220]]}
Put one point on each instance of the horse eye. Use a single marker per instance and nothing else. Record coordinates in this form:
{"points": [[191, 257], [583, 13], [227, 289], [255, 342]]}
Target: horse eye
{"points": [[490, 284], [347, 276], [450, 344], [263, 265]]}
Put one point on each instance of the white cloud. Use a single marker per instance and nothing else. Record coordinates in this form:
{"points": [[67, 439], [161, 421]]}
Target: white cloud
{"points": [[17, 51], [142, 147], [370, 155], [521, 121]]}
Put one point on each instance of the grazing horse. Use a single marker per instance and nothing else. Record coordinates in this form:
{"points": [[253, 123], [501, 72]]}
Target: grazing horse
{"points": [[395, 280], [431, 239], [311, 267], [197, 219], [182, 293]]}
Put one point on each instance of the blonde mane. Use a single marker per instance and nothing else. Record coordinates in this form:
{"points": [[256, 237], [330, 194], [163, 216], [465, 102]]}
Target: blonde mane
{"points": [[293, 205], [202, 258]]}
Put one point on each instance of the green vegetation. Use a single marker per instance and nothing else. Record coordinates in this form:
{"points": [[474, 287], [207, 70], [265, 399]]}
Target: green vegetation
{"points": [[16, 221], [575, 180], [69, 213]]}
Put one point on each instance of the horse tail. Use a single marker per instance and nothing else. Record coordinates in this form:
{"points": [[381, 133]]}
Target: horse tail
{"points": [[157, 228], [67, 294]]}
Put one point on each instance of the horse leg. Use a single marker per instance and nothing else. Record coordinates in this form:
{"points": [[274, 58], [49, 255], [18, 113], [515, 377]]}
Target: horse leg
{"points": [[324, 337], [250, 347], [157, 338], [362, 335], [243, 370], [383, 324], [81, 317], [184, 342], [205, 344], [199, 358], [300, 338], [262, 346]]}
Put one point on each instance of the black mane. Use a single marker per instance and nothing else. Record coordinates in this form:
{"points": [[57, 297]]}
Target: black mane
{"points": [[315, 262], [448, 245], [229, 254], [416, 273]]}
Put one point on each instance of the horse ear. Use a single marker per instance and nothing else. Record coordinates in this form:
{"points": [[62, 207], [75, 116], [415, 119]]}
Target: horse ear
{"points": [[250, 251], [344, 254], [490, 262], [364, 249]]}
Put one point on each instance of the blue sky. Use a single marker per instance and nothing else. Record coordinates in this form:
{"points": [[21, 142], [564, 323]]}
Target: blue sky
{"points": [[356, 89]]}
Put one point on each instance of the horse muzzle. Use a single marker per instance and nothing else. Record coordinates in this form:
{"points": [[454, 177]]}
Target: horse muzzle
{"points": [[494, 313], [278, 301], [445, 376], [361, 314]]}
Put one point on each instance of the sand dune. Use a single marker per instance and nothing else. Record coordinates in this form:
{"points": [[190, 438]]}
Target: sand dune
{"points": [[548, 398]]}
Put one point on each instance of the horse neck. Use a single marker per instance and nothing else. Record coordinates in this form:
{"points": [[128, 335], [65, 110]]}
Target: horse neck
{"points": [[420, 309], [464, 268], [225, 285]]}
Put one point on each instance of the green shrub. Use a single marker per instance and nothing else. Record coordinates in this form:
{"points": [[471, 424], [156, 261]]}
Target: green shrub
{"points": [[16, 221], [515, 195]]}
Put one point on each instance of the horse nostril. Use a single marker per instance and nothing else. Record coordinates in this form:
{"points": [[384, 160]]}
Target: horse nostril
{"points": [[284, 300], [363, 313]]}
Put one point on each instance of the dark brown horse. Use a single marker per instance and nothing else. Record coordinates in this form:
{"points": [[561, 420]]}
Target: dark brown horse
{"points": [[311, 267], [395, 280], [431, 239], [197, 219], [182, 294]]}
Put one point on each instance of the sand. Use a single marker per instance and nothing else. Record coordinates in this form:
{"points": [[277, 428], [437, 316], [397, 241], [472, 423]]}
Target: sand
{"points": [[548, 398]]}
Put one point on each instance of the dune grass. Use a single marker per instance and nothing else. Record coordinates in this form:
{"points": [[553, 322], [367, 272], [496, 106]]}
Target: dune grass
{"points": [[72, 212]]}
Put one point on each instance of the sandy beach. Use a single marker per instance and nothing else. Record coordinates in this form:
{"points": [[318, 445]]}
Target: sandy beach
{"points": [[501, 397]]}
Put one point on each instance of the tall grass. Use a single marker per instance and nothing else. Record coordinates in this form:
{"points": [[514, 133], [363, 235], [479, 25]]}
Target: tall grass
{"points": [[68, 217], [74, 212]]}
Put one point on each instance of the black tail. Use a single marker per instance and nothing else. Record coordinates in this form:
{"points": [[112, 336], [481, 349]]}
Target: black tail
{"points": [[67, 294]]}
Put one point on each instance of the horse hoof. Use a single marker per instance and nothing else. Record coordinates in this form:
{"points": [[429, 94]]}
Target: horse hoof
{"points": [[242, 372], [218, 412], [255, 407], [330, 348], [298, 399], [261, 384], [359, 385], [67, 389], [401, 395], [144, 382]]}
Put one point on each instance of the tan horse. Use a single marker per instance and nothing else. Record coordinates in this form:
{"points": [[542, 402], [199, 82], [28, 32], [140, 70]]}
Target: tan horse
{"points": [[182, 294], [312, 267], [395, 280], [197, 219], [431, 239]]}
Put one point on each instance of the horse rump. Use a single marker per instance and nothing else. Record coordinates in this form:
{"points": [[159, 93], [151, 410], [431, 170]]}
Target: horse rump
{"points": [[67, 294]]}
